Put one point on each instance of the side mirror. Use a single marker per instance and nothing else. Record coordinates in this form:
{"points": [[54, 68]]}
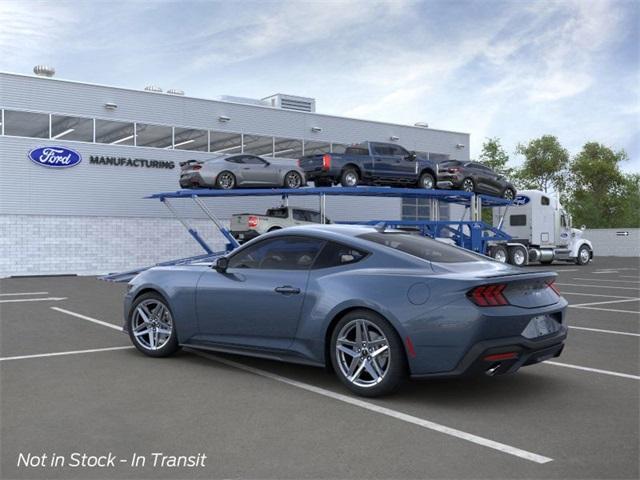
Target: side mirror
{"points": [[222, 263], [583, 227], [412, 156]]}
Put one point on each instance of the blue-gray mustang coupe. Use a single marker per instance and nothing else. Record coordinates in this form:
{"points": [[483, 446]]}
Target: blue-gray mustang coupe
{"points": [[374, 305]]}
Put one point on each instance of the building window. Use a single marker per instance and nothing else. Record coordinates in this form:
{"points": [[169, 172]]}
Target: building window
{"points": [[258, 145], [26, 124], [190, 139], [225, 142], [71, 128], [287, 148], [315, 148], [157, 136], [114, 133]]}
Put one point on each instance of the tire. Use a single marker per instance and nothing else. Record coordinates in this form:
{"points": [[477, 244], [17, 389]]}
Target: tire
{"points": [[154, 343], [292, 180], [518, 256], [584, 255], [468, 185], [378, 374], [508, 194], [349, 177], [427, 181], [499, 253], [225, 180]]}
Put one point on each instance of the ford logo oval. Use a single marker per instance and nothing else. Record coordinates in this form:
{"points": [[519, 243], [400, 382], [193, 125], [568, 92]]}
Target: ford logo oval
{"points": [[521, 200], [55, 157]]}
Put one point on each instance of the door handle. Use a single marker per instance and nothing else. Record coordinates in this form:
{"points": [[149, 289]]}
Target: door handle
{"points": [[287, 290]]}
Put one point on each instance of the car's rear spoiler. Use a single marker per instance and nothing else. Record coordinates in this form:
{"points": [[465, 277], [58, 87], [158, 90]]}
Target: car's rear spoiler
{"points": [[188, 162]]}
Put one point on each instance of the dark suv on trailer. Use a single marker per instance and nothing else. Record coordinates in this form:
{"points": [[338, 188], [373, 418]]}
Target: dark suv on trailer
{"points": [[474, 177]]}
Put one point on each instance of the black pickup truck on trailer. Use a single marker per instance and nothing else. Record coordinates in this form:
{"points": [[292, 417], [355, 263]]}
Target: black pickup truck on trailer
{"points": [[371, 163]]}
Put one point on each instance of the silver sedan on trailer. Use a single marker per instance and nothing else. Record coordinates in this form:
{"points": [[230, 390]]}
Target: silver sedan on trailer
{"points": [[241, 170]]}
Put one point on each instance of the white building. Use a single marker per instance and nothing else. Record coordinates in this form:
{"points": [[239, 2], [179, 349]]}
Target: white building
{"points": [[93, 218]]}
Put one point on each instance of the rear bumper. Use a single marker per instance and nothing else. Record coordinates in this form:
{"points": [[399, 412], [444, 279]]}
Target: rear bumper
{"points": [[449, 181], [528, 352], [245, 235], [192, 180]]}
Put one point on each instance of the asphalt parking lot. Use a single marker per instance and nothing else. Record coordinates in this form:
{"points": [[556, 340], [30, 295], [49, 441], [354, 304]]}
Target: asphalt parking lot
{"points": [[70, 382]]}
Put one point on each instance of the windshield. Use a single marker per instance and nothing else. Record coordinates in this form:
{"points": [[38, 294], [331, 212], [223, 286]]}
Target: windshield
{"points": [[421, 247]]}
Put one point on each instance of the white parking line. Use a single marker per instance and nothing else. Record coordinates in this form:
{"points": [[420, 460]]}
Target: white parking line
{"points": [[604, 280], [604, 272], [595, 370], [385, 411], [606, 309], [593, 294], [598, 286], [58, 354], [47, 299], [599, 330], [89, 319], [23, 293], [569, 270], [608, 301]]}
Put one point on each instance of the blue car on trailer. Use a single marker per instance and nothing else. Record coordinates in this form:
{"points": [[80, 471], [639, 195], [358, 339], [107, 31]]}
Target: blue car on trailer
{"points": [[376, 305]]}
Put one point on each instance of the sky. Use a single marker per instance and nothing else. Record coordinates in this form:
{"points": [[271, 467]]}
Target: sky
{"points": [[514, 70]]}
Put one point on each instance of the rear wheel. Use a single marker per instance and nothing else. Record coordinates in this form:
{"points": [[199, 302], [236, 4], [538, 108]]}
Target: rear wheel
{"points": [[427, 181], [349, 178], [367, 354], [226, 180], [518, 256], [468, 185], [151, 326], [499, 254], [293, 179]]}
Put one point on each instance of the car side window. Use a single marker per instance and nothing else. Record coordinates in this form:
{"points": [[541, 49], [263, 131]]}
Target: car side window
{"points": [[336, 254], [313, 217], [282, 253], [399, 152], [300, 215], [237, 159], [252, 160]]}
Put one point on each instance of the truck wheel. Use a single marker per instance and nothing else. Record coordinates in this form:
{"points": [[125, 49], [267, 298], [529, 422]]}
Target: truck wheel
{"points": [[499, 254], [349, 178], [584, 255], [468, 185], [426, 181], [518, 256], [226, 180]]}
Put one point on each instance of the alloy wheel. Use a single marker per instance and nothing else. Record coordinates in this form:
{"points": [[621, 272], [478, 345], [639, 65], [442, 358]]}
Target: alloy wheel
{"points": [[467, 185], [226, 180], [362, 351], [427, 182], [351, 179], [508, 194], [152, 324], [519, 257], [293, 180]]}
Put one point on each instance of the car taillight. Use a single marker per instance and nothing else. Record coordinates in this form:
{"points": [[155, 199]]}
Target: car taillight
{"points": [[454, 170], [552, 285], [299, 163], [326, 161], [253, 221], [196, 167], [488, 295]]}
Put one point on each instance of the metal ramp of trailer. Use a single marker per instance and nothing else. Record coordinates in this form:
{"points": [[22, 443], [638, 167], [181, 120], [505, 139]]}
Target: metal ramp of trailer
{"points": [[476, 237]]}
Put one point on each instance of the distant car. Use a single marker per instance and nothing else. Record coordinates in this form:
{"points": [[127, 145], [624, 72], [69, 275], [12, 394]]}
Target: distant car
{"points": [[474, 177], [371, 163], [247, 226], [375, 306], [241, 170]]}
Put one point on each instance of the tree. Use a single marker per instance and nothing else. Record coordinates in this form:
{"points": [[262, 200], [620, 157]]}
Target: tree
{"points": [[495, 157], [545, 164], [600, 195]]}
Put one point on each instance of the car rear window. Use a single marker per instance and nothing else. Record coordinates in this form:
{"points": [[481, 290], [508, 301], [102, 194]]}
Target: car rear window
{"points": [[277, 212], [421, 247], [356, 151]]}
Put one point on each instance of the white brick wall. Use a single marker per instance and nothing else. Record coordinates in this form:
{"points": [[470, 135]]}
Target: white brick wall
{"points": [[607, 241], [42, 245]]}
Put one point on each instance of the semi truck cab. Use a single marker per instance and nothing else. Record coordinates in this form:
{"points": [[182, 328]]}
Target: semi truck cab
{"points": [[541, 231]]}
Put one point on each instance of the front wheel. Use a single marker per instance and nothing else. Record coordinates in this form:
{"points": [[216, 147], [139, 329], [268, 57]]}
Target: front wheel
{"points": [[427, 181], [509, 194], [584, 255], [367, 354], [293, 179], [151, 326]]}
